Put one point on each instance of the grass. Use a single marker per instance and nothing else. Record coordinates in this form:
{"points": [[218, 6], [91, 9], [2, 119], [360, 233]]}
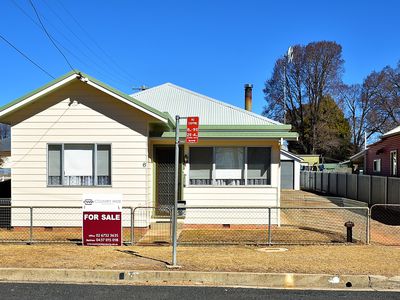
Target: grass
{"points": [[330, 259]]}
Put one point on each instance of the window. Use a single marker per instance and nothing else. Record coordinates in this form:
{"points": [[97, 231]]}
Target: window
{"points": [[258, 166], [230, 166], [393, 163], [79, 165], [201, 165], [377, 165]]}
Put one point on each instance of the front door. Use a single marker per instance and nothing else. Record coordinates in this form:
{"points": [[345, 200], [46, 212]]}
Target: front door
{"points": [[165, 179]]}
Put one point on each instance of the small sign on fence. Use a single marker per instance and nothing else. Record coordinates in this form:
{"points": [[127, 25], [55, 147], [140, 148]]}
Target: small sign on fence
{"points": [[102, 220]]}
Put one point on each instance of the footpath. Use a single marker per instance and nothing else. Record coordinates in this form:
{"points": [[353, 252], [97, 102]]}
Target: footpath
{"points": [[309, 267]]}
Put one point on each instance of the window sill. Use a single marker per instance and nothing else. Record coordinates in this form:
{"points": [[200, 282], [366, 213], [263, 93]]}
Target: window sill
{"points": [[230, 186], [79, 186]]}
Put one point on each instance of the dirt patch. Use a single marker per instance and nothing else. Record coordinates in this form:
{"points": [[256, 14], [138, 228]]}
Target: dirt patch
{"points": [[338, 259]]}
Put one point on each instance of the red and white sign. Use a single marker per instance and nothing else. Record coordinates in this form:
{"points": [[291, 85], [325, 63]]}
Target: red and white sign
{"points": [[102, 220], [192, 130]]}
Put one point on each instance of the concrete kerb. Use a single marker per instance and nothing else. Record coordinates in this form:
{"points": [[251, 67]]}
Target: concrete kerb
{"points": [[270, 280]]}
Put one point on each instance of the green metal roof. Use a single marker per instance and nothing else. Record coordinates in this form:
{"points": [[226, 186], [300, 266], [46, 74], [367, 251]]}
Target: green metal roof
{"points": [[237, 134]]}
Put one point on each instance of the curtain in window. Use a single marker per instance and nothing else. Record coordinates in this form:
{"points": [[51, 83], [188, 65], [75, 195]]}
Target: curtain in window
{"points": [[229, 165], [54, 164], [201, 165], [258, 166], [103, 164]]}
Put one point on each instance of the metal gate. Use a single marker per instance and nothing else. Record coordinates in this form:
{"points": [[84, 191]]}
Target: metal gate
{"points": [[5, 213], [385, 224]]}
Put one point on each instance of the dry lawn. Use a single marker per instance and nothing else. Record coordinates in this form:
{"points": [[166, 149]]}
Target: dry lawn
{"points": [[337, 259]]}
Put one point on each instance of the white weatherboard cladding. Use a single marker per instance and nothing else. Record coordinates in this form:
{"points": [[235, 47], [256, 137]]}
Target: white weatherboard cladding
{"points": [[179, 101], [246, 197], [86, 120]]}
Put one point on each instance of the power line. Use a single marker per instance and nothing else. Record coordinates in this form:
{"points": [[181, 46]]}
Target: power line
{"points": [[95, 43], [117, 72], [95, 65], [49, 36], [24, 55]]}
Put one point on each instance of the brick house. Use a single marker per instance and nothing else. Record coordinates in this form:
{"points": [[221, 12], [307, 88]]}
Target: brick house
{"points": [[381, 157]]}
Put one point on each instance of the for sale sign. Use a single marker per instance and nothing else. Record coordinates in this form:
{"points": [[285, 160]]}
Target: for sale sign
{"points": [[102, 220], [192, 130]]}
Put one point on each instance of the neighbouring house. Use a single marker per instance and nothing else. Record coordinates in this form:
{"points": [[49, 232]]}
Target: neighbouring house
{"points": [[290, 170], [310, 161], [5, 156], [76, 136], [381, 157]]}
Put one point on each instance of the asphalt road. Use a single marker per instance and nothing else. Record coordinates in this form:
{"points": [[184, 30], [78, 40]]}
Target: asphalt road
{"points": [[34, 291]]}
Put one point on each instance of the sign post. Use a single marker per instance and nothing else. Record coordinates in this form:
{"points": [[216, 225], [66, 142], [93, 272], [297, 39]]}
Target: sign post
{"points": [[102, 220], [192, 136]]}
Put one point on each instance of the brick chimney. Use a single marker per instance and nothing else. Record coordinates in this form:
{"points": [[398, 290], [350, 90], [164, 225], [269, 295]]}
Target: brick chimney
{"points": [[248, 96]]}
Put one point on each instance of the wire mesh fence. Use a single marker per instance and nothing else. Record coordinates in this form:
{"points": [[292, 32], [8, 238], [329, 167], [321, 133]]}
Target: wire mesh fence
{"points": [[272, 225], [152, 225], [212, 225], [44, 224], [385, 224]]}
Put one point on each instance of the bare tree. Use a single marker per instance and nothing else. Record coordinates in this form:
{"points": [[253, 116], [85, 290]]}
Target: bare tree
{"points": [[382, 89], [314, 72], [356, 104]]}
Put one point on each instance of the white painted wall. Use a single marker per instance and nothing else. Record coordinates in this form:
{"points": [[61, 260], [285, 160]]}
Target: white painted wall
{"points": [[77, 114], [234, 196]]}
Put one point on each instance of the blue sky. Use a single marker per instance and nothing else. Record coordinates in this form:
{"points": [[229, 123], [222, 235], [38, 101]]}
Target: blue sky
{"points": [[212, 47]]}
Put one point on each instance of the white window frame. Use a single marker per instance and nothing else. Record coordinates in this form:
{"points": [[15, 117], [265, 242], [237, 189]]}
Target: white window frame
{"points": [[377, 168], [245, 168], [94, 162], [393, 171]]}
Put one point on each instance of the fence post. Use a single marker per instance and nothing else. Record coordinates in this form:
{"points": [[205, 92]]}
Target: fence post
{"points": [[269, 226], [337, 184], [386, 189], [31, 225], [346, 186], [356, 187], [369, 189], [368, 225], [329, 183], [132, 226]]}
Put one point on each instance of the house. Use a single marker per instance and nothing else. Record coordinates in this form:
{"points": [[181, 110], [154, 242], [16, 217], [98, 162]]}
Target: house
{"points": [[290, 170], [309, 160], [77, 135], [381, 157], [5, 156]]}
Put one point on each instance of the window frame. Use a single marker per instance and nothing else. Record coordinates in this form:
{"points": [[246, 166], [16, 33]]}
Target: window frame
{"points": [[393, 171], [375, 170], [245, 168], [94, 162]]}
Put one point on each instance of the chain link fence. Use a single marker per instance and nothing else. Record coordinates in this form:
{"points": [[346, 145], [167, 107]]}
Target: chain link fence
{"points": [[385, 224], [254, 226], [212, 225], [46, 224]]}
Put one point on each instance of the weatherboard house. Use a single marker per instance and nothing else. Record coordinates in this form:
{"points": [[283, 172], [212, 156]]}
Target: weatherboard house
{"points": [[77, 135]]}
